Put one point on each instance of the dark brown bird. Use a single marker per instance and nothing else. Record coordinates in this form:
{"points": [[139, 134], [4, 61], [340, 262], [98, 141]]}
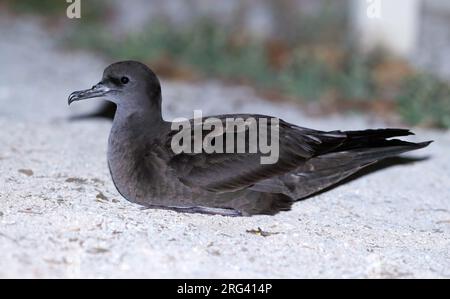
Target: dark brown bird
{"points": [[146, 170]]}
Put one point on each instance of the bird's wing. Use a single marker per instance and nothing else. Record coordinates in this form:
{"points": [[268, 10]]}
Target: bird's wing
{"points": [[224, 172]]}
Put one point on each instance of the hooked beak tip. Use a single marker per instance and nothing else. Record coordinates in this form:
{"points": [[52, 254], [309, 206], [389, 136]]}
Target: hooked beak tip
{"points": [[72, 98], [97, 91]]}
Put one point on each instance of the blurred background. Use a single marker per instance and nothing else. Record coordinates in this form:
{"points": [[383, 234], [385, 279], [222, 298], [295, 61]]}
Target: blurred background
{"points": [[385, 58]]}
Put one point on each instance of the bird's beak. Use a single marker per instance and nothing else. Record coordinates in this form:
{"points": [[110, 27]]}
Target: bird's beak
{"points": [[97, 91]]}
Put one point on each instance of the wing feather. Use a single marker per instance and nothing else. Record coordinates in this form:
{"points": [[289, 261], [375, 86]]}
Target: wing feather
{"points": [[222, 172]]}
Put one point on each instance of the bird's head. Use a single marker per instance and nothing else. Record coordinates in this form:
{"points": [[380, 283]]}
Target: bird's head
{"points": [[127, 84]]}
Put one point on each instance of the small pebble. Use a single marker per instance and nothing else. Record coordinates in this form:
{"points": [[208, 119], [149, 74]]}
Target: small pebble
{"points": [[27, 172]]}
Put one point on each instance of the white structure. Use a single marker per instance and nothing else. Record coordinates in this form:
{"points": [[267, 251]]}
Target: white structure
{"points": [[418, 30], [391, 24]]}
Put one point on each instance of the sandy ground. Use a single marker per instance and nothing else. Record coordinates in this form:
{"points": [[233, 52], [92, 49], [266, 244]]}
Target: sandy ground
{"points": [[60, 215]]}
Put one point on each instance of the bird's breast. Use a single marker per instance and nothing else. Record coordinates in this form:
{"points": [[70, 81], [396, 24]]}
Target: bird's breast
{"points": [[127, 166], [141, 173]]}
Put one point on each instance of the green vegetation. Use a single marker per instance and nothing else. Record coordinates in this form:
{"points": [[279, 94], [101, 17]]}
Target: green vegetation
{"points": [[44, 7], [309, 71], [213, 51], [426, 101], [313, 60]]}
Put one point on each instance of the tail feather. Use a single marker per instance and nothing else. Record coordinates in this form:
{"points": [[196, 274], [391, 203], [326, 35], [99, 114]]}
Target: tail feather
{"points": [[354, 151], [372, 139], [368, 155], [361, 149], [379, 133], [326, 170]]}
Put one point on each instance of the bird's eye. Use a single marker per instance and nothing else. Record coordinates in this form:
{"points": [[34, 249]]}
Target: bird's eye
{"points": [[124, 80]]}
